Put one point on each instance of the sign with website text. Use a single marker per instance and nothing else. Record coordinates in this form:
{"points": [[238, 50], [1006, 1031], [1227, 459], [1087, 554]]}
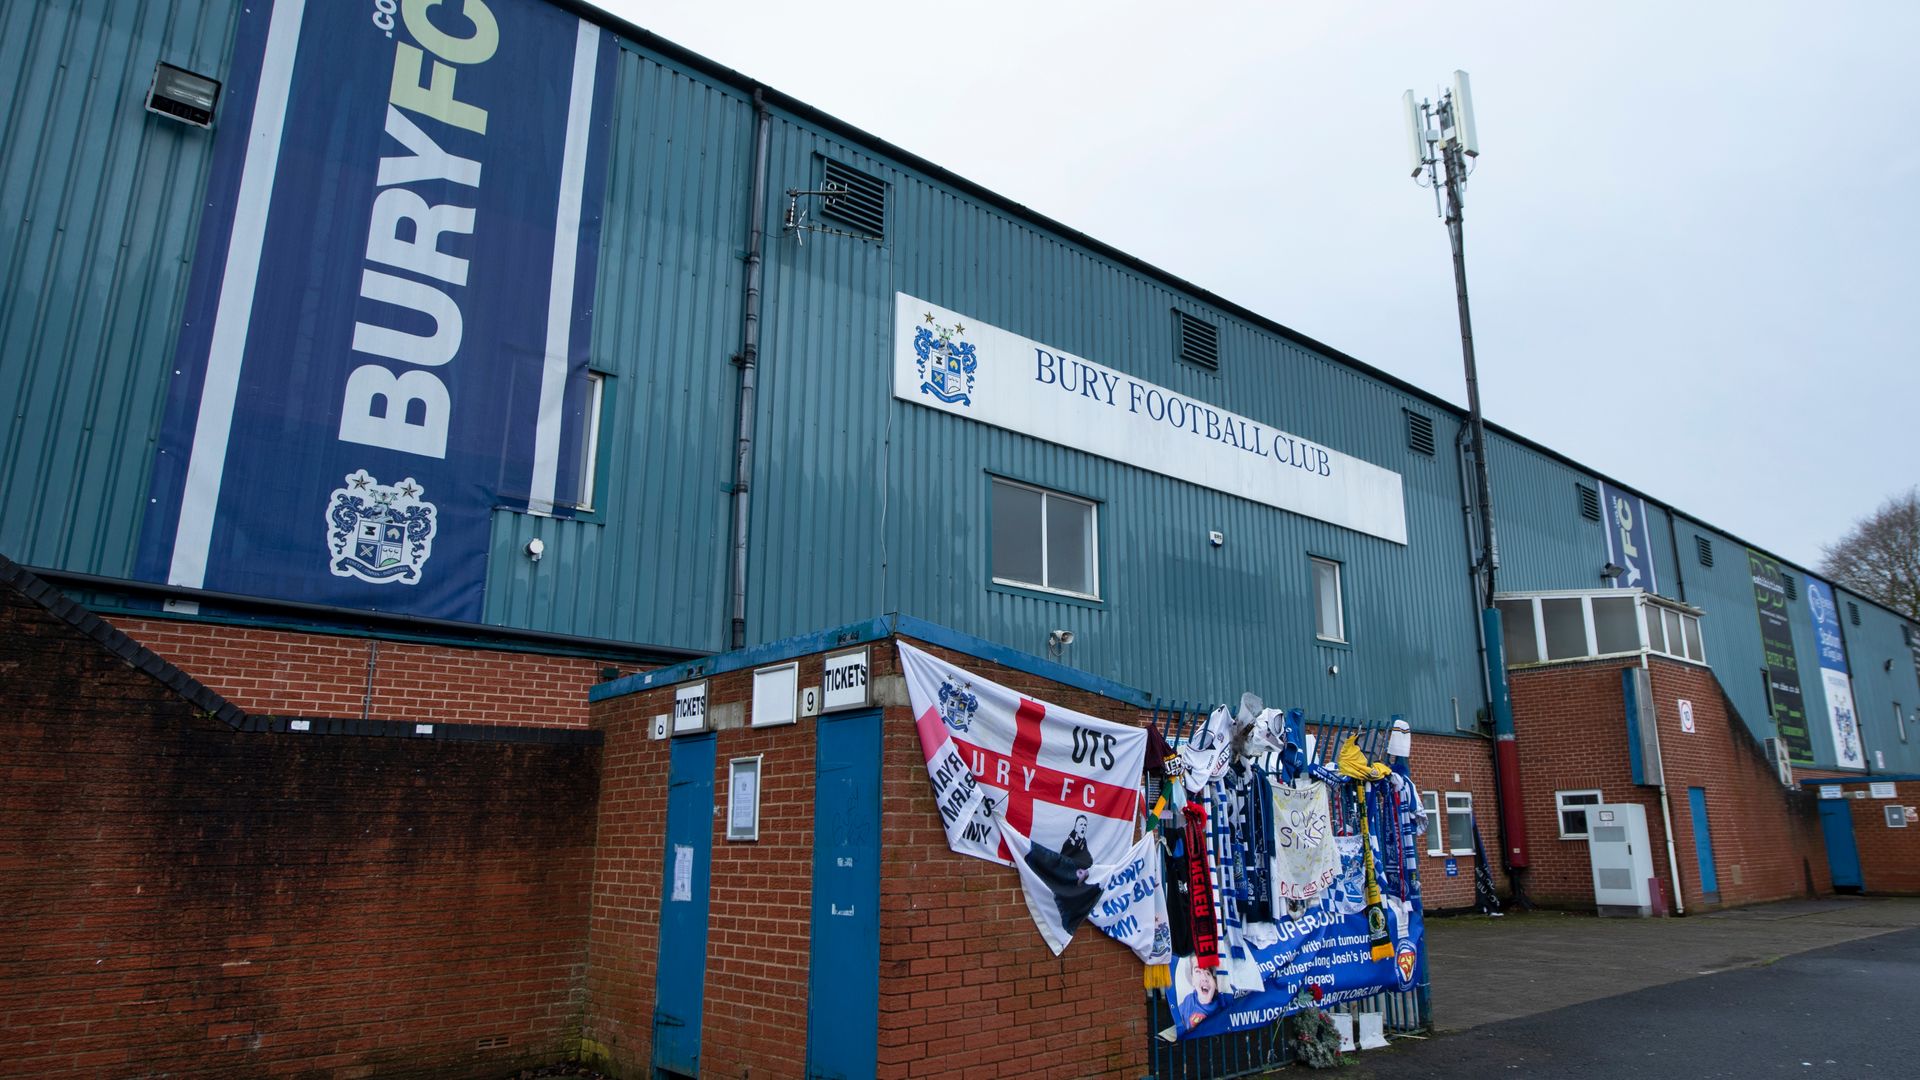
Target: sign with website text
{"points": [[386, 325], [1830, 639], [959, 365], [1629, 539], [1783, 664]]}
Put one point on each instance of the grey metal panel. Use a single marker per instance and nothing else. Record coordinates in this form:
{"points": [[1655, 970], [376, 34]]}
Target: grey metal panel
{"points": [[1545, 542], [99, 202]]}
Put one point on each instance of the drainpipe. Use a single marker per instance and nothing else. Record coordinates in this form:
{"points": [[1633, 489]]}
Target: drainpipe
{"points": [[1673, 544], [1666, 808], [748, 361]]}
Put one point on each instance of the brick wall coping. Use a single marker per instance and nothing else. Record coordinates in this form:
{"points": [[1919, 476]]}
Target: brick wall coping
{"points": [[140, 658], [879, 628]]}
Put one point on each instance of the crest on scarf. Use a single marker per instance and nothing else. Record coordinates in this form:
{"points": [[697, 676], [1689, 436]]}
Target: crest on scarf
{"points": [[946, 363], [957, 704], [378, 532]]}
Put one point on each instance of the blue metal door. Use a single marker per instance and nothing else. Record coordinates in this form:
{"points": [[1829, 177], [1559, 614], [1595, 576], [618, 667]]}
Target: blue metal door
{"points": [[683, 907], [843, 975], [1843, 857], [1703, 840]]}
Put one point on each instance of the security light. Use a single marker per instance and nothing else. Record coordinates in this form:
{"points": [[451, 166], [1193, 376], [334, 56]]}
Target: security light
{"points": [[1612, 570], [182, 95]]}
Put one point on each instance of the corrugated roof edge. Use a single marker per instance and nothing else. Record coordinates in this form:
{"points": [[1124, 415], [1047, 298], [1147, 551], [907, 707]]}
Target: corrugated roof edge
{"points": [[680, 54]]}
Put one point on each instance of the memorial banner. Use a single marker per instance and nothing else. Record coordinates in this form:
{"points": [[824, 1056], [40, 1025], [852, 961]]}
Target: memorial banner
{"points": [[1842, 719], [1783, 664], [386, 325]]}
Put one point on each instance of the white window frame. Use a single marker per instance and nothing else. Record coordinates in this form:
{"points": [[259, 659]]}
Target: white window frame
{"points": [[1675, 649], [1093, 528], [1900, 721], [1436, 823], [1314, 562], [590, 462], [1467, 809], [1561, 806]]}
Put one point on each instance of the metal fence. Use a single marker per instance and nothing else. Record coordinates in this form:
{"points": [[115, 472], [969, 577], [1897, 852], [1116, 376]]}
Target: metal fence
{"points": [[1248, 1053]]}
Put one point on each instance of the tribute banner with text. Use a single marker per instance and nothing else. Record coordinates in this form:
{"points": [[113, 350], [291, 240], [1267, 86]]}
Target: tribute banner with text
{"points": [[959, 365], [386, 328], [1848, 753]]}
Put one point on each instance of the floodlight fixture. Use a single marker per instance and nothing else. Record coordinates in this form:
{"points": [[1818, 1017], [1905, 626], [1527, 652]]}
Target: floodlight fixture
{"points": [[183, 95]]}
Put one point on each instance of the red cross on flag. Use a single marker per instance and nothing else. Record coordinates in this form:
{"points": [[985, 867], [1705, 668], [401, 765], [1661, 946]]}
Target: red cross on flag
{"points": [[1068, 781]]}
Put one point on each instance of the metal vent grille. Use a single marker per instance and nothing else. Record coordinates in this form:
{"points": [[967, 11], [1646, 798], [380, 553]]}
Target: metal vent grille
{"points": [[1197, 342], [860, 200], [1704, 548], [1614, 878], [1792, 586], [1853, 613], [1419, 433], [1589, 502]]}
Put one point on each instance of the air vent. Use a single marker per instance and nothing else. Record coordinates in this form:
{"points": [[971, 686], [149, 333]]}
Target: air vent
{"points": [[1419, 433], [1704, 548], [861, 200], [1197, 342], [490, 1042], [1589, 502], [1792, 586], [1853, 613]]}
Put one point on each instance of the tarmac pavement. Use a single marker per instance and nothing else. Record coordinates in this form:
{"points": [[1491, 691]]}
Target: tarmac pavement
{"points": [[1840, 1011], [1485, 970]]}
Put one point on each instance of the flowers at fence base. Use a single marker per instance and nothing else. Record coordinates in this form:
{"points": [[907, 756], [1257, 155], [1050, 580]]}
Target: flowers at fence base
{"points": [[1316, 1042]]}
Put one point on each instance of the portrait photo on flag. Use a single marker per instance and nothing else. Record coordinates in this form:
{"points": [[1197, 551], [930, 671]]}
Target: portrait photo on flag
{"points": [[1066, 781]]}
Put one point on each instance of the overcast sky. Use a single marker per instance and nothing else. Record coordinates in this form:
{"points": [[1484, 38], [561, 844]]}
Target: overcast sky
{"points": [[1693, 234]]}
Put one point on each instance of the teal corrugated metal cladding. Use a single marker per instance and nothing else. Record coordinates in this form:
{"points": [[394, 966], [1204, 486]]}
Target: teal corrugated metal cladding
{"points": [[99, 203], [861, 503]]}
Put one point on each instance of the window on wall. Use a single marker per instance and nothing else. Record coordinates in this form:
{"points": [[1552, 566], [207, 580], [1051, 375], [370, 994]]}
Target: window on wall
{"points": [[1045, 540], [590, 441], [1460, 822], [1573, 815], [1900, 721], [1436, 835], [1329, 614]]}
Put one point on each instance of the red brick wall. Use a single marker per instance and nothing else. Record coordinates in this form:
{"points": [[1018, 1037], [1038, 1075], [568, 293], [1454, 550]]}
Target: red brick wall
{"points": [[967, 987], [1444, 763], [1570, 721], [289, 673], [183, 898], [1889, 858]]}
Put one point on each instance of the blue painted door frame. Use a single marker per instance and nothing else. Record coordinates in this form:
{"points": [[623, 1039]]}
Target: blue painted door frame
{"points": [[843, 972], [1703, 840], [1843, 855], [681, 975]]}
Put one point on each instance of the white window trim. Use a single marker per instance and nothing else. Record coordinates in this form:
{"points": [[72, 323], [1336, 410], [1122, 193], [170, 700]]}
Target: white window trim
{"points": [[1339, 599], [1900, 721], [1676, 650], [1436, 823], [590, 463], [1093, 526], [1456, 849], [1560, 807]]}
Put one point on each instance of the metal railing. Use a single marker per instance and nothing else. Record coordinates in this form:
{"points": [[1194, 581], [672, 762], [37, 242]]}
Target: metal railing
{"points": [[1248, 1053]]}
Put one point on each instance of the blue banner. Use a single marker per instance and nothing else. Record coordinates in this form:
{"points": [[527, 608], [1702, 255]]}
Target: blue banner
{"points": [[1623, 518], [386, 330], [1843, 722]]}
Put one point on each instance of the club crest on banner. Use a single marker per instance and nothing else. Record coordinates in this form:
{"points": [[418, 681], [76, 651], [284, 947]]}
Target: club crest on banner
{"points": [[1406, 960], [958, 703], [946, 363], [379, 533]]}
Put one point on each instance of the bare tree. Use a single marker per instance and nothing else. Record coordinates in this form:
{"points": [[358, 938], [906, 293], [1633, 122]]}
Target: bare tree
{"points": [[1880, 557]]}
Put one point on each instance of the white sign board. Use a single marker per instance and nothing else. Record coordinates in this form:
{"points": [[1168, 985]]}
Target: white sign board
{"points": [[690, 708], [774, 693], [743, 798], [946, 361], [683, 872], [844, 683], [1686, 716], [1831, 791], [1879, 790]]}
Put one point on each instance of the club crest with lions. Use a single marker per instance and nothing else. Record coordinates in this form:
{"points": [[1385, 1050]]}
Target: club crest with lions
{"points": [[946, 363], [377, 532]]}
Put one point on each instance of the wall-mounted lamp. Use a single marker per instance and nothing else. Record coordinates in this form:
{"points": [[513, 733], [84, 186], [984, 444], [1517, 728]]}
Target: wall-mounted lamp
{"points": [[182, 95], [535, 548], [1611, 571], [1887, 666]]}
